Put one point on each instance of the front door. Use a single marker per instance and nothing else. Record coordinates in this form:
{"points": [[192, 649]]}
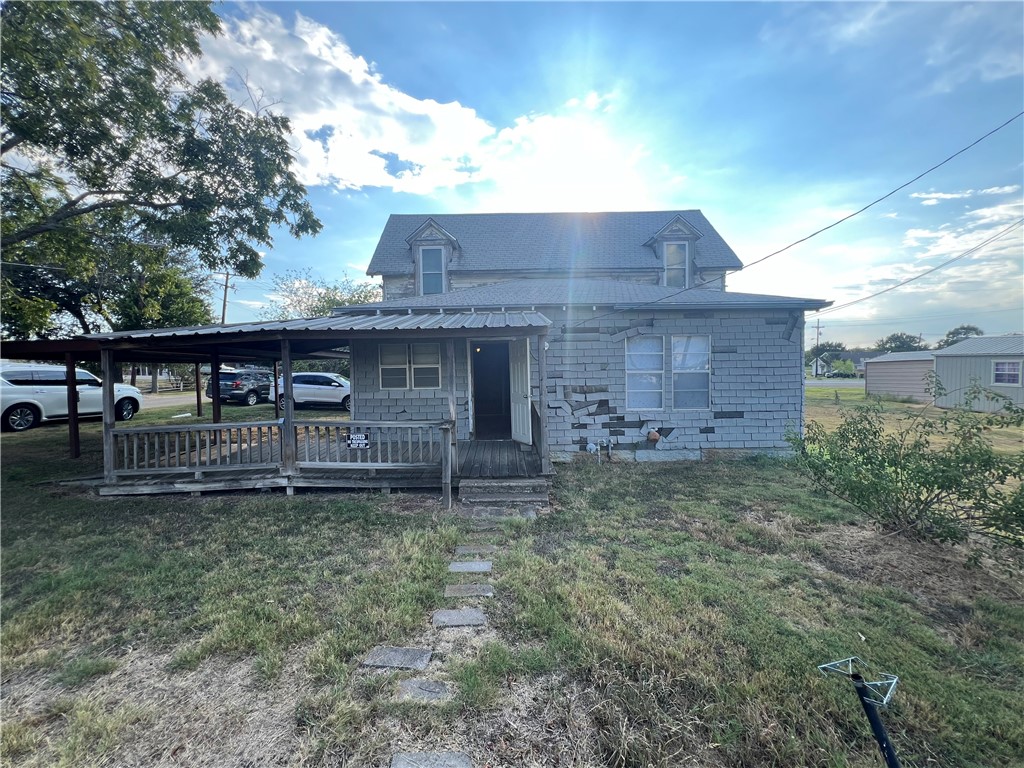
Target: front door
{"points": [[519, 390]]}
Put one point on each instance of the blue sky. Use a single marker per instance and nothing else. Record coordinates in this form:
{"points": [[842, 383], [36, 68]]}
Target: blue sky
{"points": [[775, 119]]}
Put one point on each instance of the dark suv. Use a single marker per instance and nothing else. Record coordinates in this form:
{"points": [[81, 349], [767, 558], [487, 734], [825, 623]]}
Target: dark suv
{"points": [[247, 385]]}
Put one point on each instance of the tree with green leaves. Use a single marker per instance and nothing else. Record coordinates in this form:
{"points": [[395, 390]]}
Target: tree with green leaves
{"points": [[826, 350], [959, 333], [103, 138], [900, 342], [298, 293]]}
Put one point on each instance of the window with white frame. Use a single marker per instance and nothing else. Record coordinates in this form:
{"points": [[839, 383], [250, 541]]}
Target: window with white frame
{"points": [[431, 270], [645, 366], [676, 260], [691, 372], [405, 365], [1006, 372]]}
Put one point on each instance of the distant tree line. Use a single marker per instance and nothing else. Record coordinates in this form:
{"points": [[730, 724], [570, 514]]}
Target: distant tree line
{"points": [[832, 352]]}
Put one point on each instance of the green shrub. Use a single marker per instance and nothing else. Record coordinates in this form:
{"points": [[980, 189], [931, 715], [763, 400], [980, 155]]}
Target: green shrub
{"points": [[933, 475]]}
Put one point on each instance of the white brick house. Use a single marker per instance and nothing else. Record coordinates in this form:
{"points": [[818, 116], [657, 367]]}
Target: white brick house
{"points": [[641, 335]]}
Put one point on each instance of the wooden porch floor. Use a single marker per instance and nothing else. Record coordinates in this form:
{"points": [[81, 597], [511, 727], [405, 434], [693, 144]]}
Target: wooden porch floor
{"points": [[477, 459]]}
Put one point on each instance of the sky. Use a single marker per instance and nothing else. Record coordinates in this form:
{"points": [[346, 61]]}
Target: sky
{"points": [[774, 119]]}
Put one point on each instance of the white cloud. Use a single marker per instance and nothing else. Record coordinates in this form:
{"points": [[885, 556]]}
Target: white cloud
{"points": [[942, 195], [353, 130], [251, 304], [1000, 190], [930, 201]]}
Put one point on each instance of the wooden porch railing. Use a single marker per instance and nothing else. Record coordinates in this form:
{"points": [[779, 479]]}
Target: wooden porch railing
{"points": [[322, 445], [197, 447]]}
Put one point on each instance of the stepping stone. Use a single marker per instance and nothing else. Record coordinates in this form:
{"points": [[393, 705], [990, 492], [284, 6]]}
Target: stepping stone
{"points": [[470, 566], [469, 590], [418, 689], [475, 549], [431, 760], [464, 617], [397, 658]]}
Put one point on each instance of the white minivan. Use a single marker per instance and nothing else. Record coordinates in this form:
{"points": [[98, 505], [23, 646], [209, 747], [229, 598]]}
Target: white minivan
{"points": [[31, 394]]}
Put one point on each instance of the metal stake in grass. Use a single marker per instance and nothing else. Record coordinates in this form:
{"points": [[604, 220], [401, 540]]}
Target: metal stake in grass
{"points": [[872, 695]]}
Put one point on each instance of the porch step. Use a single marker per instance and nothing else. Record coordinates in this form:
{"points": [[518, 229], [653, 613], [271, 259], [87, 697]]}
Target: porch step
{"points": [[504, 490]]}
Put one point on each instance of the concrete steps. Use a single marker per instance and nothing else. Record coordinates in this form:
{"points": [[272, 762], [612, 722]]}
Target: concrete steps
{"points": [[501, 491]]}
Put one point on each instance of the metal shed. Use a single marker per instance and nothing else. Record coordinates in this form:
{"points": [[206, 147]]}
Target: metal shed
{"points": [[899, 374], [996, 363]]}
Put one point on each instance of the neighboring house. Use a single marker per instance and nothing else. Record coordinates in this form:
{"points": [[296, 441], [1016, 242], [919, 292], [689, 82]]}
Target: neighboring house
{"points": [[899, 374], [994, 362], [646, 354]]}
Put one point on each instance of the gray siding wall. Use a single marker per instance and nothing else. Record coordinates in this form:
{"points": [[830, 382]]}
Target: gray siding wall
{"points": [[958, 373], [756, 385], [899, 378], [372, 403]]}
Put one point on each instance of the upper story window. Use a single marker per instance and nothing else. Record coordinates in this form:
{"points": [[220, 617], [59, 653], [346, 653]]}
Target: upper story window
{"points": [[431, 270], [677, 258]]}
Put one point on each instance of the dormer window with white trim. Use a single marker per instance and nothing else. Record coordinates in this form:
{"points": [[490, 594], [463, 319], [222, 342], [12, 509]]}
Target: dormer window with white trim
{"points": [[431, 270], [677, 260]]}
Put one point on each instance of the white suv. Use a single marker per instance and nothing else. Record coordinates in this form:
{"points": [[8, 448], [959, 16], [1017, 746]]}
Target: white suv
{"points": [[318, 389], [32, 393]]}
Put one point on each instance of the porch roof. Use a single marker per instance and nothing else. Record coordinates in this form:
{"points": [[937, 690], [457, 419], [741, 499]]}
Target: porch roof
{"points": [[311, 337]]}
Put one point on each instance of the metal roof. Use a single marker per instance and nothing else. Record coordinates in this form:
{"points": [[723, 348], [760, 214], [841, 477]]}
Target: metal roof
{"points": [[610, 293], [1010, 344], [549, 242], [350, 322], [898, 357]]}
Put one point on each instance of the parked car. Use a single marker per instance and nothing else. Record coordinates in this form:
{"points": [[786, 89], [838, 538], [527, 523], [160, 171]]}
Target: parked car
{"points": [[317, 389], [245, 385], [32, 393]]}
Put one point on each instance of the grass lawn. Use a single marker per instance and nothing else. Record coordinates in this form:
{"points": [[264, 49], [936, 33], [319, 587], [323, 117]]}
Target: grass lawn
{"points": [[823, 404], [658, 616]]}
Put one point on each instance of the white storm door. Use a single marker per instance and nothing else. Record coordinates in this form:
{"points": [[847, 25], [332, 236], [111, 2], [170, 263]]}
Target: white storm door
{"points": [[519, 389]]}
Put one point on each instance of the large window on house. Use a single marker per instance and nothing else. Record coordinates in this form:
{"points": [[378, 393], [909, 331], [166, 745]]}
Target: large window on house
{"points": [[405, 365], [691, 372], [645, 366], [431, 270], [1006, 372], [676, 260]]}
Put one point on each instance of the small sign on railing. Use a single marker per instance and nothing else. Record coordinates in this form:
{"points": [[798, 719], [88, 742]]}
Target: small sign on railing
{"points": [[358, 440]]}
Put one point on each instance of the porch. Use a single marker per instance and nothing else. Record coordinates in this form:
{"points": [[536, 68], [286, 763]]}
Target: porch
{"points": [[339, 454]]}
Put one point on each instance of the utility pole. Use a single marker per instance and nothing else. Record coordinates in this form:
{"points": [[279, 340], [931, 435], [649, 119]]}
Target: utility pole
{"points": [[224, 305]]}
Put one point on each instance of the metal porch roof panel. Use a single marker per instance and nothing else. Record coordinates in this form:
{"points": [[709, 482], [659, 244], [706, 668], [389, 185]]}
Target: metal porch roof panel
{"points": [[1009, 344], [345, 322]]}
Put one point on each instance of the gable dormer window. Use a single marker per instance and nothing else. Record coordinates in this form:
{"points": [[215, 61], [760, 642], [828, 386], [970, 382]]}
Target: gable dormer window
{"points": [[431, 270], [677, 260]]}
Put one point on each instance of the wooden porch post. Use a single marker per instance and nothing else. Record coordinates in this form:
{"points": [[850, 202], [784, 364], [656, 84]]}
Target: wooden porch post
{"points": [[542, 401], [107, 365], [288, 428], [450, 383], [446, 466], [199, 389], [72, 387], [215, 383]]}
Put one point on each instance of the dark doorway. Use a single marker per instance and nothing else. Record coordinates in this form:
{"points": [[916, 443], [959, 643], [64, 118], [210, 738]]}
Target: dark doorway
{"points": [[492, 408]]}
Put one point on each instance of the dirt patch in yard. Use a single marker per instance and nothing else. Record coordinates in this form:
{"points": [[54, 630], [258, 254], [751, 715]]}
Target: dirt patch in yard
{"points": [[217, 715]]}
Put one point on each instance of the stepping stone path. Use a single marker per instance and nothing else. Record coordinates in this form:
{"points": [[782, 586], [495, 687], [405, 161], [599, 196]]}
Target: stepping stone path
{"points": [[470, 566], [464, 617], [431, 760], [398, 658], [469, 590], [420, 690], [429, 691], [475, 549]]}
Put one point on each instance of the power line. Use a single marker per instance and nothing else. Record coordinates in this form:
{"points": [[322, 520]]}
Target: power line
{"points": [[965, 254], [823, 229]]}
